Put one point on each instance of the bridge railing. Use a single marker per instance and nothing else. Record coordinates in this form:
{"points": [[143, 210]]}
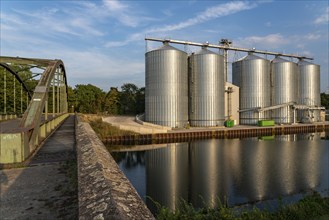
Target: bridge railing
{"points": [[15, 147], [5, 117]]}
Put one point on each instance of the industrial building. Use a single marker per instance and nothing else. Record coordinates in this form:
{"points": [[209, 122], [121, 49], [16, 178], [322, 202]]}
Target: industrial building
{"points": [[183, 90]]}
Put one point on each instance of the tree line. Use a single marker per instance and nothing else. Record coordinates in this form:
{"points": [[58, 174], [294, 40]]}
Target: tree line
{"points": [[325, 100], [128, 100]]}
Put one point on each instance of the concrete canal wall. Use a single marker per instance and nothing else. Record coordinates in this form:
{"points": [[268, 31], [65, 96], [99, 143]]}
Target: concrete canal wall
{"points": [[104, 191], [183, 135]]}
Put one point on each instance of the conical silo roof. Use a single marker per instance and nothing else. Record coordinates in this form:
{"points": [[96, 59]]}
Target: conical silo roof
{"points": [[251, 56], [279, 60], [166, 46], [204, 51]]}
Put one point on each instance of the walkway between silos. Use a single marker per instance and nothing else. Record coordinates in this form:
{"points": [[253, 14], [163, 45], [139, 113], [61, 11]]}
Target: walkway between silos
{"points": [[42, 190]]}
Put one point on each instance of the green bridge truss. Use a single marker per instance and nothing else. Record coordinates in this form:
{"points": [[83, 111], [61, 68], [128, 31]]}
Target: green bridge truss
{"points": [[33, 102]]}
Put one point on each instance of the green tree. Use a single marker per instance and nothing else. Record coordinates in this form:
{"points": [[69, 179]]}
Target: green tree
{"points": [[140, 101], [112, 101], [89, 98], [71, 99], [325, 100], [128, 98]]}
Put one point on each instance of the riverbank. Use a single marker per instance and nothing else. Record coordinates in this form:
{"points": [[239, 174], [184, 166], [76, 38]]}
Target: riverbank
{"points": [[310, 207], [194, 133]]}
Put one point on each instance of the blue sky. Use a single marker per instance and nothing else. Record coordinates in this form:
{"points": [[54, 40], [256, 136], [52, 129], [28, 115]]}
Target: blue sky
{"points": [[102, 42]]}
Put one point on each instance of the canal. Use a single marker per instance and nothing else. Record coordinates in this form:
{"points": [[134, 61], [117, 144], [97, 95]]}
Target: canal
{"points": [[259, 171]]}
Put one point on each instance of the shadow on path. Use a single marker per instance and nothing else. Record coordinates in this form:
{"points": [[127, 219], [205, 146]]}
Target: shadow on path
{"points": [[46, 188]]}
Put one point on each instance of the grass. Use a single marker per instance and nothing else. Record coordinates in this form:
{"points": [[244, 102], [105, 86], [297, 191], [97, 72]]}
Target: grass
{"points": [[310, 207], [103, 129]]}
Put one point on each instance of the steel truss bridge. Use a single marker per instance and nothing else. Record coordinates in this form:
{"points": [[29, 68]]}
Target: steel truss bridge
{"points": [[33, 102]]}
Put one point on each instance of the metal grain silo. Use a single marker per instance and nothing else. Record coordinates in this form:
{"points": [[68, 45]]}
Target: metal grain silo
{"points": [[309, 76], [252, 74], [309, 90], [166, 87], [285, 89], [206, 89]]}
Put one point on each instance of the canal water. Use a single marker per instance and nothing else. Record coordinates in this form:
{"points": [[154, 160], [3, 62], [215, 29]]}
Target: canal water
{"points": [[239, 171]]}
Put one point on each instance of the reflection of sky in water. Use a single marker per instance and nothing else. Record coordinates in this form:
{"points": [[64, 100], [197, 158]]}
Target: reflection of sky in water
{"points": [[241, 171]]}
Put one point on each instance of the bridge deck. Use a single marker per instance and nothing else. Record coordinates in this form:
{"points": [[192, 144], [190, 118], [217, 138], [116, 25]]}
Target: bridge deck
{"points": [[10, 125], [42, 189]]}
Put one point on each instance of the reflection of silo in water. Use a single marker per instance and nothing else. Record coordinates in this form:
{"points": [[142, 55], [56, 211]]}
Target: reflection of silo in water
{"points": [[309, 136], [232, 158], [254, 166], [208, 171], [282, 167], [287, 137], [167, 175], [308, 156]]}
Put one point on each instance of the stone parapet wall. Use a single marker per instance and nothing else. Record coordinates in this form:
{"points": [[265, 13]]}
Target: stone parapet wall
{"points": [[104, 191]]}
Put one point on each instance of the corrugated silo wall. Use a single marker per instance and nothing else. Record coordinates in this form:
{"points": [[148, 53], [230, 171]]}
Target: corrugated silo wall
{"points": [[166, 87], [284, 77], [206, 89], [309, 91], [252, 75]]}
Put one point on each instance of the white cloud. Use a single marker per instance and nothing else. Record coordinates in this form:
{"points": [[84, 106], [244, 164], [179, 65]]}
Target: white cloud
{"points": [[324, 18], [86, 25], [277, 40], [87, 65], [312, 36], [167, 12], [115, 5], [300, 46], [124, 13], [268, 41], [211, 13], [101, 63], [306, 53], [132, 38], [55, 21]]}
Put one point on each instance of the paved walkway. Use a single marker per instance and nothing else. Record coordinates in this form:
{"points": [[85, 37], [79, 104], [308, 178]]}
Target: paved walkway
{"points": [[43, 190], [128, 123]]}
